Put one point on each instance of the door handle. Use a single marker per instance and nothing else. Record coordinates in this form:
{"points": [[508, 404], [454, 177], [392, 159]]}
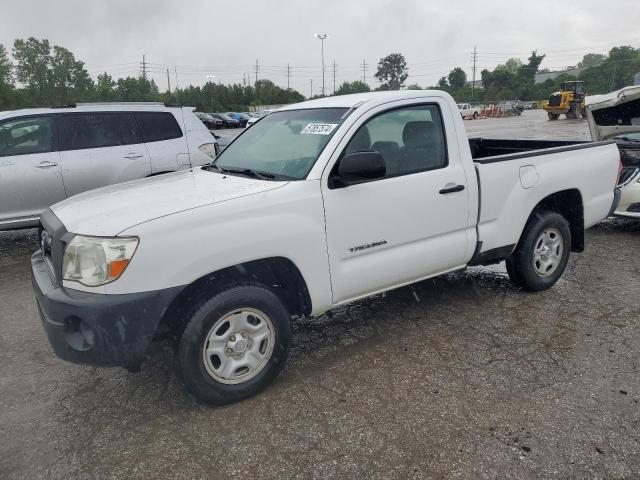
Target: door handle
{"points": [[456, 188], [133, 156], [46, 165]]}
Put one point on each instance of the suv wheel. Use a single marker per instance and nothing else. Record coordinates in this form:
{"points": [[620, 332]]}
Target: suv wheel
{"points": [[542, 253], [234, 345]]}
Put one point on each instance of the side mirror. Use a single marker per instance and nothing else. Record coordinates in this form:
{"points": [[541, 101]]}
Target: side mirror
{"points": [[360, 167]]}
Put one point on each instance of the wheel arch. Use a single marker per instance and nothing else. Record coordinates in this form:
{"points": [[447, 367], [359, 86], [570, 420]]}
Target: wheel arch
{"points": [[278, 274], [569, 204]]}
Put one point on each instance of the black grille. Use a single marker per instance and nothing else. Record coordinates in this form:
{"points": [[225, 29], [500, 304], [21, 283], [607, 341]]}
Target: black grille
{"points": [[626, 174], [555, 100]]}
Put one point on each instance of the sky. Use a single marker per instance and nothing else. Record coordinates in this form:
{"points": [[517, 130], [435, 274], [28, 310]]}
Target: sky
{"points": [[195, 39]]}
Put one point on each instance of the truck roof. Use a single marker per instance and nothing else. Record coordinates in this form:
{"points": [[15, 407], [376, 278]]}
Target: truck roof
{"points": [[356, 99]]}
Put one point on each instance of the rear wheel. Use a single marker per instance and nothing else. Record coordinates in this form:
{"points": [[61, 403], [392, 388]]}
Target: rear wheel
{"points": [[234, 345], [583, 112], [542, 253], [553, 116]]}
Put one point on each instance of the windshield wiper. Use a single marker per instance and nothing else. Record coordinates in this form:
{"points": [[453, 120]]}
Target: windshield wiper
{"points": [[251, 173], [213, 166]]}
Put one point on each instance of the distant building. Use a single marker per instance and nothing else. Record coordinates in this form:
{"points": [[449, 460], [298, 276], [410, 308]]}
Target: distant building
{"points": [[637, 80], [476, 84], [543, 77]]}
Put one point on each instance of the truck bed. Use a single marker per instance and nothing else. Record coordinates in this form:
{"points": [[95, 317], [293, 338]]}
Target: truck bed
{"points": [[515, 175], [484, 149]]}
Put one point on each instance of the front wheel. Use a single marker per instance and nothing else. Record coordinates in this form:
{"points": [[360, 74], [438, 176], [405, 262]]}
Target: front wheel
{"points": [[234, 345], [542, 254], [553, 116]]}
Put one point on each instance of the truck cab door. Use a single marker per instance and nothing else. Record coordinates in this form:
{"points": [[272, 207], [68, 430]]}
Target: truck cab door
{"points": [[412, 223]]}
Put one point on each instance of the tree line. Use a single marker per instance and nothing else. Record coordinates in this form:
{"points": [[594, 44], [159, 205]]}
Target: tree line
{"points": [[515, 79], [37, 74]]}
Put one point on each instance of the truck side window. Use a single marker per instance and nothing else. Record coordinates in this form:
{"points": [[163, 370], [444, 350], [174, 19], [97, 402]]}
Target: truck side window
{"points": [[23, 136], [411, 139]]}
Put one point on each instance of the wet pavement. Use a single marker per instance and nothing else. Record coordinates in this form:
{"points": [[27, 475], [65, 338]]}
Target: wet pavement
{"points": [[462, 376]]}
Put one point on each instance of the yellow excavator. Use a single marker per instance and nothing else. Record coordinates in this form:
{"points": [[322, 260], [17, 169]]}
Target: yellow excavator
{"points": [[569, 101]]}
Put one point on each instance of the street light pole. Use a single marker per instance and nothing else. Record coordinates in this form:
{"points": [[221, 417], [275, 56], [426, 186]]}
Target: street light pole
{"points": [[211, 78], [322, 37]]}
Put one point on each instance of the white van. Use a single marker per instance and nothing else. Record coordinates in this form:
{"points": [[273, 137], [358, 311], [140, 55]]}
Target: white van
{"points": [[47, 155]]}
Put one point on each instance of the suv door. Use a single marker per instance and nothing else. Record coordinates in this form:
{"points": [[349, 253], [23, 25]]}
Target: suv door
{"points": [[30, 178], [166, 143], [412, 223], [100, 148]]}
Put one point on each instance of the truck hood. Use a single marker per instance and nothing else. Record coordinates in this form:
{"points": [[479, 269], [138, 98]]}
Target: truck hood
{"points": [[614, 113], [109, 210]]}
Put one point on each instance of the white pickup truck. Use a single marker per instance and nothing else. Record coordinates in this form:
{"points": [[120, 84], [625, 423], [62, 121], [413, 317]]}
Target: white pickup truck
{"points": [[466, 110], [318, 204]]}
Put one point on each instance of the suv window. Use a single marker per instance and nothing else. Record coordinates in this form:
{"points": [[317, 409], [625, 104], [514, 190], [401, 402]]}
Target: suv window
{"points": [[158, 126], [96, 130], [26, 135], [410, 139]]}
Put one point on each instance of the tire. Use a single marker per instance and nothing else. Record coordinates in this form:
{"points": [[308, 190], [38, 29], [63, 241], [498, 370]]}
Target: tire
{"points": [[553, 116], [583, 113], [542, 253], [203, 372]]}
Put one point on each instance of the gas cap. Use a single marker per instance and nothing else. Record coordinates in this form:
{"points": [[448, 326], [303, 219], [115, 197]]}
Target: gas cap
{"points": [[528, 176]]}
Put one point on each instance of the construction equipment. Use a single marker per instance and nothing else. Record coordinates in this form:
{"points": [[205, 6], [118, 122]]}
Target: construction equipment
{"points": [[569, 101]]}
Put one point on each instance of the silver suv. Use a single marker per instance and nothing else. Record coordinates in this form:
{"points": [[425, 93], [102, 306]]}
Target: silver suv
{"points": [[47, 155]]}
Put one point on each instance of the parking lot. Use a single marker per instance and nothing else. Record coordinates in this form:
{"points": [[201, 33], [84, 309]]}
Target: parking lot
{"points": [[462, 376]]}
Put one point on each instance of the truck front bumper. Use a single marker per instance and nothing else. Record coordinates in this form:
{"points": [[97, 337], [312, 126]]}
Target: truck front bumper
{"points": [[97, 329]]}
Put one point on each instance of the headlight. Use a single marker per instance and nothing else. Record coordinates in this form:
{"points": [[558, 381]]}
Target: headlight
{"points": [[94, 261], [209, 149]]}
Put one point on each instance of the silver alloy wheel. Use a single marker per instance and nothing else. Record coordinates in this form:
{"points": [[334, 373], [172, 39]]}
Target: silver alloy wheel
{"points": [[238, 346], [547, 252]]}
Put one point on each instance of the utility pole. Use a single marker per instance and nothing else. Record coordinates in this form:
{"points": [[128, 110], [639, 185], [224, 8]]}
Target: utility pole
{"points": [[288, 75], [473, 83], [168, 82], [363, 67], [334, 77], [311, 92], [613, 77], [322, 37], [257, 69], [144, 67], [175, 69]]}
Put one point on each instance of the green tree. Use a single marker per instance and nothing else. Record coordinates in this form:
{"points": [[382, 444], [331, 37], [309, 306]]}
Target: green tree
{"points": [[104, 87], [457, 78], [592, 60], [443, 83], [6, 68], [392, 71], [7, 96], [352, 87], [32, 68]]}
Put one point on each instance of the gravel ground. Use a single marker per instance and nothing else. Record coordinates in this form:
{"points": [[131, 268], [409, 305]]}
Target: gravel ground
{"points": [[461, 376]]}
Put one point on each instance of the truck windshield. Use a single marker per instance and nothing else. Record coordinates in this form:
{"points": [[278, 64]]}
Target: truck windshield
{"points": [[283, 144]]}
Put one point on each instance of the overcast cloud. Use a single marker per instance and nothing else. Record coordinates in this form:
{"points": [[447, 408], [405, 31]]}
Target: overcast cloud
{"points": [[203, 37]]}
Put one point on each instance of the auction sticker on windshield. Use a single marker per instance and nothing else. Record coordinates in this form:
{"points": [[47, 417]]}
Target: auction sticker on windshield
{"points": [[319, 128]]}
